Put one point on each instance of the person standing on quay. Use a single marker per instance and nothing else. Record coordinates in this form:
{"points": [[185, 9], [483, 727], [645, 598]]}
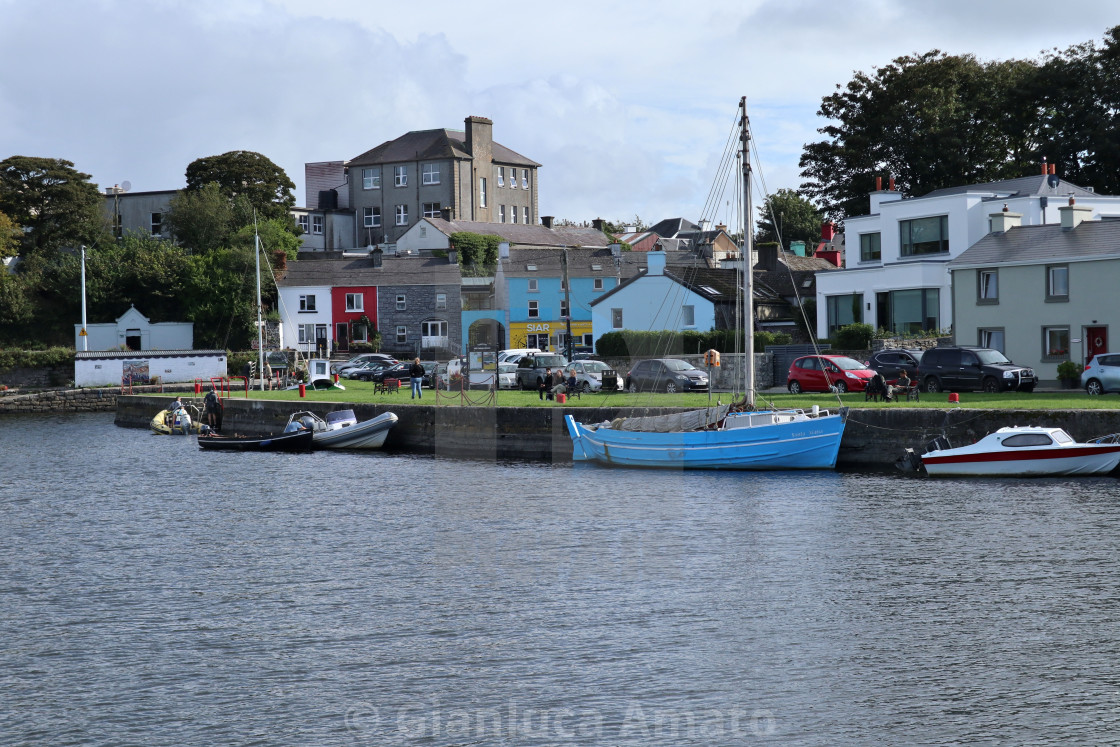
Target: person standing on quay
{"points": [[416, 373]]}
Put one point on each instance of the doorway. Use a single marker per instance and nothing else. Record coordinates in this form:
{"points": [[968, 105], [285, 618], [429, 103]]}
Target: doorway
{"points": [[342, 336], [1096, 341]]}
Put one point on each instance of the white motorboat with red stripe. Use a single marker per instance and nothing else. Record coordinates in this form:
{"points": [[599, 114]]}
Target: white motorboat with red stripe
{"points": [[1020, 451]]}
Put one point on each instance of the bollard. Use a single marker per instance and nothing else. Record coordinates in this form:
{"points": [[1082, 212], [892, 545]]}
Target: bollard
{"points": [[561, 398], [198, 387], [302, 389], [954, 398], [336, 378]]}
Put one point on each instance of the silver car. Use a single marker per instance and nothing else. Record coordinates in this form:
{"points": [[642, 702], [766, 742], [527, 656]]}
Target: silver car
{"points": [[591, 374], [507, 375], [1102, 375]]}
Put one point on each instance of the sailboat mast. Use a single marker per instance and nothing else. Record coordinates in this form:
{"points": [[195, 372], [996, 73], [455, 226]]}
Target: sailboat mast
{"points": [[260, 325], [748, 262]]}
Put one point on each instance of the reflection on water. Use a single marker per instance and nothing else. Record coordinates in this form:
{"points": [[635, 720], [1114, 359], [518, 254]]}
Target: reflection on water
{"points": [[152, 593]]}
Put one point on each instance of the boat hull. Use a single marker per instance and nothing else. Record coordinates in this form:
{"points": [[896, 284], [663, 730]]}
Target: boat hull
{"points": [[811, 443], [1083, 459], [164, 425], [369, 434], [299, 441]]}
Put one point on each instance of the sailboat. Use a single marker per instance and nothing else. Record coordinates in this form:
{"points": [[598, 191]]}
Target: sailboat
{"points": [[723, 437]]}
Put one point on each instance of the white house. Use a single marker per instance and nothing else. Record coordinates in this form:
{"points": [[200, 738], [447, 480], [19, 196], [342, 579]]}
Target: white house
{"points": [[133, 331], [896, 273], [307, 310]]}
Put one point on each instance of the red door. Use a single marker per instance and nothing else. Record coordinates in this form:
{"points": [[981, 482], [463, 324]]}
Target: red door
{"points": [[1096, 341]]}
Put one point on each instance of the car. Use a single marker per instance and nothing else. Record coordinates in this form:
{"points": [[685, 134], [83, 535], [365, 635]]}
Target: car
{"points": [[890, 361], [367, 371], [670, 375], [823, 373], [1102, 375], [507, 375], [594, 376], [515, 354], [531, 368], [396, 371], [359, 360], [968, 368]]}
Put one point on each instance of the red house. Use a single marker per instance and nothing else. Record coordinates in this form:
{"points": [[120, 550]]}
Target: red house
{"points": [[348, 305]]}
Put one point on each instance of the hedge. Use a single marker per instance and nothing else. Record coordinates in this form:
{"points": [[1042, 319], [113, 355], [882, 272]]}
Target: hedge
{"points": [[627, 344], [49, 358]]}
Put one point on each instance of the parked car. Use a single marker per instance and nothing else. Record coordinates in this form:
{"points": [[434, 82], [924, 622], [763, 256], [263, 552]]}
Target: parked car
{"points": [[594, 376], [513, 355], [1102, 375], [890, 361], [395, 371], [967, 368], [360, 360], [531, 368], [666, 375], [822, 373], [507, 375], [367, 371]]}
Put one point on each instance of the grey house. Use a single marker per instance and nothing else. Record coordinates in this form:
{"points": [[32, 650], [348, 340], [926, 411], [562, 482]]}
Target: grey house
{"points": [[1041, 294]]}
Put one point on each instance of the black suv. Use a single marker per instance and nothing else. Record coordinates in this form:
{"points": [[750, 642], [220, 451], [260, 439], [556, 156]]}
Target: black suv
{"points": [[969, 368], [891, 361]]}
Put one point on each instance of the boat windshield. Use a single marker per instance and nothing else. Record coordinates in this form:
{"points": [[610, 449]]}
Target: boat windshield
{"points": [[677, 365], [1062, 437], [847, 364], [991, 356]]}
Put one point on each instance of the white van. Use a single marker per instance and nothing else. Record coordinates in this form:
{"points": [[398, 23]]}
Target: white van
{"points": [[515, 354]]}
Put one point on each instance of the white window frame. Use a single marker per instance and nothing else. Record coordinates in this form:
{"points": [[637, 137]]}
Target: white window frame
{"points": [[525, 214], [402, 333], [355, 302], [534, 309], [371, 217], [400, 176], [307, 303], [302, 222], [317, 225], [482, 191], [156, 224], [1051, 347], [525, 179], [441, 300], [371, 178], [688, 315], [987, 286], [533, 285], [501, 213], [512, 213], [401, 212], [616, 318], [306, 334], [431, 173], [502, 176], [432, 210], [1052, 274], [597, 284], [402, 302]]}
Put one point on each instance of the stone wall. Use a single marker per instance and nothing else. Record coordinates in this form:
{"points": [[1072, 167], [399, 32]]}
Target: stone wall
{"points": [[78, 400], [23, 378]]}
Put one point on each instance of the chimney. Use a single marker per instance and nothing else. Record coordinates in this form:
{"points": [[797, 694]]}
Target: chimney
{"points": [[1073, 214], [828, 230], [1045, 170], [890, 185], [1004, 220], [767, 256], [1053, 168], [546, 221], [878, 184], [597, 224], [480, 144], [655, 262], [705, 225], [445, 213]]}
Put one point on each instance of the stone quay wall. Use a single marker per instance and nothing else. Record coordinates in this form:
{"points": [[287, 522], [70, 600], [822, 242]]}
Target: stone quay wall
{"points": [[80, 400]]}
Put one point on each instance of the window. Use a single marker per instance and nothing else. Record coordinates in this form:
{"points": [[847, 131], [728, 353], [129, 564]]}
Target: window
{"points": [[501, 213], [307, 303], [1055, 342], [987, 286], [301, 220], [924, 236], [502, 177], [431, 210], [306, 334], [525, 215], [433, 334], [157, 224], [588, 340], [991, 338], [372, 217], [400, 176], [533, 285], [512, 213], [534, 310], [371, 178], [844, 310], [402, 215], [482, 191], [1057, 283], [431, 173], [317, 225], [441, 300], [359, 333], [616, 318], [402, 333], [525, 179], [909, 311], [354, 302], [401, 305], [563, 308], [870, 247], [598, 284], [688, 316]]}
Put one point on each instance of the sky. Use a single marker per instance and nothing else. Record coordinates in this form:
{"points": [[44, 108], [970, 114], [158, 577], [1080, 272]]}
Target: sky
{"points": [[627, 105]]}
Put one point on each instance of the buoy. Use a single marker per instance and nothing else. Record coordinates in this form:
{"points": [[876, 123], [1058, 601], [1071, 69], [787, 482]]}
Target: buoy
{"points": [[302, 389], [954, 398]]}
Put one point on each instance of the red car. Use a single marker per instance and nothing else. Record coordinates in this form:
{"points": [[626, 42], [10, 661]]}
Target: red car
{"points": [[819, 373]]}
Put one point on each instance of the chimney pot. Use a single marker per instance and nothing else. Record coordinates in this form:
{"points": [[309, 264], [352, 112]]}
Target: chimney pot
{"points": [[546, 221], [1005, 207], [1071, 200], [878, 184], [1045, 168], [890, 184], [1053, 168]]}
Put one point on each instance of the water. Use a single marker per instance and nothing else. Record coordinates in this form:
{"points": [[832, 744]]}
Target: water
{"points": [[154, 594]]}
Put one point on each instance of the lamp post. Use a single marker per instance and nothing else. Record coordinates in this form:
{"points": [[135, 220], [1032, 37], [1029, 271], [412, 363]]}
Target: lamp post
{"points": [[83, 334]]}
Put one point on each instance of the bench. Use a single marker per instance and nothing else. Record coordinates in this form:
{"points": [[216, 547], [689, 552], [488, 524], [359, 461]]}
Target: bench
{"points": [[387, 386]]}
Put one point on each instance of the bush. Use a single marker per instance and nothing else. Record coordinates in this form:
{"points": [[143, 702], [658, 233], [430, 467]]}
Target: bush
{"points": [[626, 344], [1068, 370], [50, 358], [853, 337]]}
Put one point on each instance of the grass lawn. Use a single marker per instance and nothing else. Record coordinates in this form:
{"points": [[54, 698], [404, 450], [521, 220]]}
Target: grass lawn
{"points": [[362, 392]]}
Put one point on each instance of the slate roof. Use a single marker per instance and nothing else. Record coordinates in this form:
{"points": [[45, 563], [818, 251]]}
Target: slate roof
{"points": [[428, 145], [671, 227], [1099, 239], [549, 263], [526, 235], [1021, 187], [360, 271]]}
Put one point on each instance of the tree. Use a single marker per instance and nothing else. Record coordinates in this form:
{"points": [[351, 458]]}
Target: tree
{"points": [[786, 217], [55, 203], [476, 249], [245, 173], [930, 121], [10, 236], [200, 219]]}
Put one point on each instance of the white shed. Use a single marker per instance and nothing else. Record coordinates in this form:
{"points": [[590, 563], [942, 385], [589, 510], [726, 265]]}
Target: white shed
{"points": [[133, 331]]}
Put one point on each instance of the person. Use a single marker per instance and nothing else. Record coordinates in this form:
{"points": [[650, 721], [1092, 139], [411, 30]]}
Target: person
{"points": [[902, 386], [268, 373], [558, 383], [213, 408], [416, 373], [546, 385], [573, 385]]}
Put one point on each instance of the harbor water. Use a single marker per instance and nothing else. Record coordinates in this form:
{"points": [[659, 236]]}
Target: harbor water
{"points": [[153, 594]]}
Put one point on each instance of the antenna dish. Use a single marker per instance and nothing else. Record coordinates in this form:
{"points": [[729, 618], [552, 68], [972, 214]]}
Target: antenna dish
{"points": [[126, 185], [1053, 180]]}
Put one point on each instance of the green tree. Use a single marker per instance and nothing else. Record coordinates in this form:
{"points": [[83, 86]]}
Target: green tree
{"points": [[55, 203], [931, 121], [10, 236], [786, 217], [200, 219], [476, 249], [248, 174]]}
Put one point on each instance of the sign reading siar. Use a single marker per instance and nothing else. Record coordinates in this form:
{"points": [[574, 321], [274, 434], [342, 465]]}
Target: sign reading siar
{"points": [[537, 327]]}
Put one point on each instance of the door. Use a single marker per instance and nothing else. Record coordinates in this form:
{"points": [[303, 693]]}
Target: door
{"points": [[1096, 341], [342, 337], [969, 373], [321, 348]]}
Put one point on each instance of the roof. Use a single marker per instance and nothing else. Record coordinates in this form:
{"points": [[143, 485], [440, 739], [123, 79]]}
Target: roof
{"points": [[670, 227], [526, 235], [549, 263], [360, 271], [126, 354], [427, 145], [1098, 239], [1021, 187]]}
